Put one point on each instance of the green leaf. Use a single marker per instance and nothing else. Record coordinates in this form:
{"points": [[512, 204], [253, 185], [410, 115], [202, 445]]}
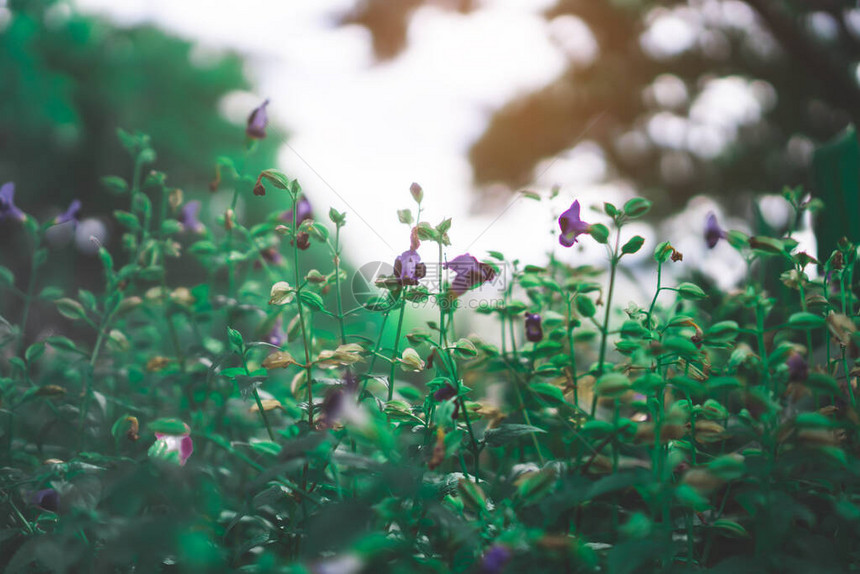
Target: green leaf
{"points": [[681, 346], [690, 291], [612, 385], [722, 331], [170, 226], [312, 300], [70, 308], [168, 426], [64, 344], [338, 218], [599, 232], [34, 351], [88, 299], [465, 348], [803, 321], [115, 184], [548, 391], [585, 306], [536, 486], [637, 207], [237, 343], [276, 178], [822, 382], [729, 528], [266, 447], [50, 293], [687, 496], [663, 251], [508, 433], [203, 248], [633, 245], [405, 216]]}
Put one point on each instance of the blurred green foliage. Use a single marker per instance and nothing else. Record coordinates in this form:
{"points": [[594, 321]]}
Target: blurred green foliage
{"points": [[69, 81]]}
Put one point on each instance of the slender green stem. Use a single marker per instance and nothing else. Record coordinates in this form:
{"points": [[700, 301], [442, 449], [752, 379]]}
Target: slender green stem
{"points": [[28, 300], [393, 370], [604, 330], [376, 353], [762, 351], [848, 378], [613, 266], [231, 280], [572, 353], [306, 342], [338, 294], [90, 374], [656, 293], [259, 402], [803, 308]]}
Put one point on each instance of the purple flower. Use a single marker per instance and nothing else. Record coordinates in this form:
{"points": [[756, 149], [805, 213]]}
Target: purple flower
{"points": [[303, 211], [271, 255], [257, 122], [468, 273], [71, 214], [495, 559], [7, 203], [713, 231], [47, 499], [798, 369], [408, 268], [276, 336], [445, 392], [188, 217], [534, 331], [334, 404], [180, 444], [571, 225]]}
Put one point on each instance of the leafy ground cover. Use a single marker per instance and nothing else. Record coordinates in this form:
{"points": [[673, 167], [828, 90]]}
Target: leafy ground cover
{"points": [[248, 417]]}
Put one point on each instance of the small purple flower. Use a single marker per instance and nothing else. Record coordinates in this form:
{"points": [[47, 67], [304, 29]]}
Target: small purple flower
{"points": [[276, 336], [495, 559], [257, 122], [180, 444], [713, 231], [445, 392], [334, 403], [534, 331], [571, 225], [188, 217], [303, 211], [46, 499], [408, 268], [350, 382], [71, 214], [7, 203], [798, 369], [271, 255], [469, 272]]}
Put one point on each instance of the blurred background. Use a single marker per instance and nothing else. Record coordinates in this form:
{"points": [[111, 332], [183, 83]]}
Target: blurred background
{"points": [[698, 105]]}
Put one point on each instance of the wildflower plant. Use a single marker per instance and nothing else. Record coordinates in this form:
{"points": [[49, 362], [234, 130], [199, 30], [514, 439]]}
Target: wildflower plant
{"points": [[216, 406]]}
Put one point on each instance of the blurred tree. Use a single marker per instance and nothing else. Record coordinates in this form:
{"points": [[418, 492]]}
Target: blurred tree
{"points": [[724, 97], [68, 81]]}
